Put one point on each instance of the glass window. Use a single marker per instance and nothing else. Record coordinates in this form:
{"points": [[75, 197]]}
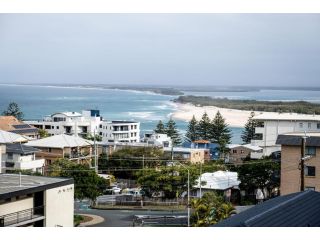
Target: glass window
{"points": [[318, 125], [311, 151], [310, 171], [234, 151], [10, 155], [310, 188], [301, 125], [309, 125]]}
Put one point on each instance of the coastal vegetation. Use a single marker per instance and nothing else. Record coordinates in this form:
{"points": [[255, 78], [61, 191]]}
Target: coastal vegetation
{"points": [[252, 105], [13, 109], [170, 129], [249, 129]]}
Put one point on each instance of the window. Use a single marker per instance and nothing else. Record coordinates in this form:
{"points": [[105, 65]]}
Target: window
{"points": [[100, 126], [52, 127], [57, 127], [47, 127], [49, 149], [311, 151], [10, 155], [309, 125], [318, 125], [310, 171], [258, 136], [260, 124], [301, 125], [234, 151], [241, 151], [310, 188]]}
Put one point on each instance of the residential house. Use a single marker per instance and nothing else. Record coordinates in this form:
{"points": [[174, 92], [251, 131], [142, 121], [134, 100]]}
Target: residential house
{"points": [[154, 138], [9, 137], [270, 125], [214, 153], [11, 124], [63, 146], [224, 182], [189, 154], [237, 153], [301, 209], [291, 159], [20, 157], [33, 201]]}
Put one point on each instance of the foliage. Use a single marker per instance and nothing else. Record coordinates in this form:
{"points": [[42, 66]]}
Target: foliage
{"points": [[130, 158], [13, 110], [77, 219], [204, 127], [220, 132], [253, 105], [210, 209], [249, 129], [160, 128], [43, 133], [192, 132], [255, 174], [172, 132], [91, 137], [24, 172], [87, 183]]}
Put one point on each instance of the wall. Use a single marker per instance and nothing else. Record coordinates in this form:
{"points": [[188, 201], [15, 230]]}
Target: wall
{"points": [[290, 173], [16, 206], [59, 206]]}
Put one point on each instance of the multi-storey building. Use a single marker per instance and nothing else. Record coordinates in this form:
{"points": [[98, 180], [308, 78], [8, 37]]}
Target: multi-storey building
{"points": [[119, 131], [157, 139], [291, 159], [89, 122], [270, 125], [71, 123], [33, 201]]}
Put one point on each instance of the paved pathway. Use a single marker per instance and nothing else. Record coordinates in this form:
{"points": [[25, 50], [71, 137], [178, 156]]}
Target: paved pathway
{"points": [[95, 220]]}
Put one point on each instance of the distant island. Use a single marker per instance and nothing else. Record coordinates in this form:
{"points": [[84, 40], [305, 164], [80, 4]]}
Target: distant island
{"points": [[252, 105]]}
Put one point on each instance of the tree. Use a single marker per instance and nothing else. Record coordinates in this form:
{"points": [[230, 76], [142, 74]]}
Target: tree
{"points": [[91, 137], [220, 132], [88, 184], [192, 132], [160, 128], [172, 132], [13, 110], [210, 209], [204, 127], [249, 129], [43, 133]]}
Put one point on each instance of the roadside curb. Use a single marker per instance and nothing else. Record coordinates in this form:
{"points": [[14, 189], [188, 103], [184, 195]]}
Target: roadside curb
{"points": [[95, 220]]}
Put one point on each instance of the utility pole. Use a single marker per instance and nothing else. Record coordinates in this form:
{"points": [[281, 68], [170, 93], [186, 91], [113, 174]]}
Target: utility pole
{"points": [[95, 152], [303, 156], [200, 178]]}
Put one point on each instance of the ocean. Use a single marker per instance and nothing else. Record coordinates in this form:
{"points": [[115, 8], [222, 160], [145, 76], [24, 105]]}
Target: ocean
{"points": [[148, 108]]}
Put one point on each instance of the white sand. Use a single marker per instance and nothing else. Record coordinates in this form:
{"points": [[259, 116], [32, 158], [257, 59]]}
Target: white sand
{"points": [[235, 118]]}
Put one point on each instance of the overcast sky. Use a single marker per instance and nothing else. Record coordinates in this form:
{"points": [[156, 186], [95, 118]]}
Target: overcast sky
{"points": [[186, 49]]}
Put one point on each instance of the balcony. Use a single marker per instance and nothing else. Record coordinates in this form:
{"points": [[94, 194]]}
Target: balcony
{"points": [[22, 217]]}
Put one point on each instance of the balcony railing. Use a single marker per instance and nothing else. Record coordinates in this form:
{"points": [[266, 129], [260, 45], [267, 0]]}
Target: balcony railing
{"points": [[21, 216]]}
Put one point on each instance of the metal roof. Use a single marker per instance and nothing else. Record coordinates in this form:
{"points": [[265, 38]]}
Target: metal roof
{"points": [[287, 117], [10, 187], [20, 148], [301, 209], [295, 140], [9, 137]]}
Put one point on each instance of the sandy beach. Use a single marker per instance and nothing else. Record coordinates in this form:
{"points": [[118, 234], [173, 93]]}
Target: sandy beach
{"points": [[235, 118]]}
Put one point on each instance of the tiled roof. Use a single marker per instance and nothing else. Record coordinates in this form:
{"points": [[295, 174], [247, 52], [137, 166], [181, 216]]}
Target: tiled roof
{"points": [[301, 209], [20, 148]]}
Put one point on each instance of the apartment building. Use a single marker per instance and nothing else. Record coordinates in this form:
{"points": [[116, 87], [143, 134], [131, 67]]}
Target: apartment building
{"points": [[16, 156], [270, 125], [159, 139], [189, 154], [120, 131], [89, 122], [34, 201], [291, 159], [63, 146], [71, 123]]}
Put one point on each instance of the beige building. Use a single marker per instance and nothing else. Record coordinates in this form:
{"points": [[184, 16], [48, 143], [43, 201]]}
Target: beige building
{"points": [[33, 201], [63, 146], [237, 153], [191, 154], [291, 159]]}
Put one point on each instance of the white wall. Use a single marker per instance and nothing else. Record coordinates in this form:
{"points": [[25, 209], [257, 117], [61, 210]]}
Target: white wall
{"points": [[59, 206], [16, 206]]}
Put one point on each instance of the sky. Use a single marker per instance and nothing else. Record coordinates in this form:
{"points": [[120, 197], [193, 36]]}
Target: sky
{"points": [[161, 49]]}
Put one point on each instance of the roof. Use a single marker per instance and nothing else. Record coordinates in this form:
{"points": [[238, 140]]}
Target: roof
{"points": [[9, 137], [286, 116], [60, 141], [9, 184], [11, 124], [69, 114], [294, 139], [248, 146], [122, 121], [201, 141], [300, 209], [182, 149], [219, 180], [6, 122], [20, 148]]}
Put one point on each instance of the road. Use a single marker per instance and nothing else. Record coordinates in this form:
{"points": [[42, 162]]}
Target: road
{"points": [[121, 218]]}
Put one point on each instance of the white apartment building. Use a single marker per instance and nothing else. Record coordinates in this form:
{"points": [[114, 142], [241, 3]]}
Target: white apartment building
{"points": [[89, 122], [34, 201], [270, 125], [16, 156], [157, 139], [119, 131]]}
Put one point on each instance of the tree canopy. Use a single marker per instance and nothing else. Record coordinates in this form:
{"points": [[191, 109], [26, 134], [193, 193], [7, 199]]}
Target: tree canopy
{"points": [[249, 129], [160, 128], [13, 110], [204, 128], [192, 132], [172, 132]]}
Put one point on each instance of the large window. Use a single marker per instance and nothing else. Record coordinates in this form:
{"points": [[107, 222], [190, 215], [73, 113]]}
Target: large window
{"points": [[258, 136], [260, 124], [318, 125], [310, 171], [311, 151]]}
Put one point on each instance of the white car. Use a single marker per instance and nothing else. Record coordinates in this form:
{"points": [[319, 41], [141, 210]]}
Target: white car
{"points": [[116, 190]]}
